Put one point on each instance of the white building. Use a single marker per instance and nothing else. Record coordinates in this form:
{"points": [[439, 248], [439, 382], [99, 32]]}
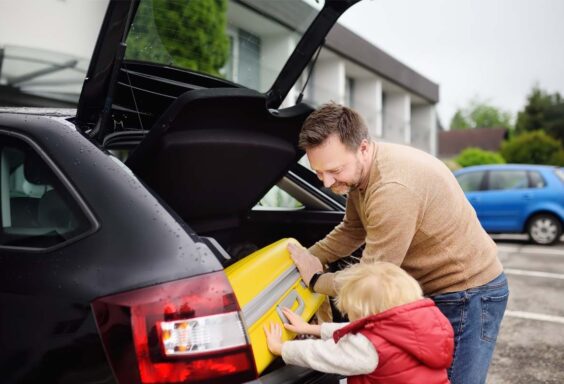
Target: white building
{"points": [[397, 103]]}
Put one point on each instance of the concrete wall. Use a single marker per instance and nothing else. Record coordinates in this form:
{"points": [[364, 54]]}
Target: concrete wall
{"points": [[397, 118], [368, 102], [424, 124]]}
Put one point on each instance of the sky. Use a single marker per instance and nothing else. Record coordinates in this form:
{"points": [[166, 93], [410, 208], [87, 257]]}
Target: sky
{"points": [[491, 50]]}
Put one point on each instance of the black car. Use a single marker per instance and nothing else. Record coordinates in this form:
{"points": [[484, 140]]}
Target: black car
{"points": [[125, 211]]}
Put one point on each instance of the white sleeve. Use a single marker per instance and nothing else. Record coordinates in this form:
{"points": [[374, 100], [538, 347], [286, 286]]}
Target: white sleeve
{"points": [[327, 329], [352, 355]]}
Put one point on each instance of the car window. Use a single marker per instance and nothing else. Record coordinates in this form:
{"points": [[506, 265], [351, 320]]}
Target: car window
{"points": [[508, 179], [234, 40], [537, 181], [560, 174], [278, 198], [36, 210], [471, 181]]}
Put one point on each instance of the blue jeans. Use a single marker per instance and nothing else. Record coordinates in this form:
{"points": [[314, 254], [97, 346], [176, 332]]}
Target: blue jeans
{"points": [[475, 315]]}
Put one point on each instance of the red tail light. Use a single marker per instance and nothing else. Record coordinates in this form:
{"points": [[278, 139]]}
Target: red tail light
{"points": [[186, 331]]}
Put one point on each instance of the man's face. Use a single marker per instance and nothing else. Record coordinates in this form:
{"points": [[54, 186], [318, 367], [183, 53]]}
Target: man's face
{"points": [[337, 166]]}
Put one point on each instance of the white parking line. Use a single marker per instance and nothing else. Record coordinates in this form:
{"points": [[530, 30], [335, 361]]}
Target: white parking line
{"points": [[544, 251], [535, 316], [520, 272]]}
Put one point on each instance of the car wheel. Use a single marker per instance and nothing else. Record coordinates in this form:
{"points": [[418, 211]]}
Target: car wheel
{"points": [[544, 229]]}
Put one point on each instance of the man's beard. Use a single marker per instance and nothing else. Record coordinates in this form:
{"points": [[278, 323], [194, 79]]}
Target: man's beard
{"points": [[342, 188], [346, 188]]}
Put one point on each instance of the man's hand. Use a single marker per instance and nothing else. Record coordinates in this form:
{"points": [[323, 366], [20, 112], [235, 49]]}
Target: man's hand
{"points": [[307, 264], [274, 338]]}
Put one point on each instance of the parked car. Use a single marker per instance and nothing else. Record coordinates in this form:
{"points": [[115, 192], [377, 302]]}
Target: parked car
{"points": [[124, 212], [517, 198]]}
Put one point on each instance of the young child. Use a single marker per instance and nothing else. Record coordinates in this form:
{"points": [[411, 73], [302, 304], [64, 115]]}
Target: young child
{"points": [[395, 335]]}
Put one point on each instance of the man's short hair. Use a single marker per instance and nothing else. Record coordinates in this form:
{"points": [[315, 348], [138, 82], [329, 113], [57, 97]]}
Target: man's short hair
{"points": [[333, 118], [366, 289]]}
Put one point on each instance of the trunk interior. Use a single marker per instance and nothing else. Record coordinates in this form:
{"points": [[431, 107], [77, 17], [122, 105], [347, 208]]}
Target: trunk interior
{"points": [[213, 168]]}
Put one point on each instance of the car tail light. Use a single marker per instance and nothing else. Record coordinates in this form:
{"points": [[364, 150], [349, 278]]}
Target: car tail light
{"points": [[185, 331]]}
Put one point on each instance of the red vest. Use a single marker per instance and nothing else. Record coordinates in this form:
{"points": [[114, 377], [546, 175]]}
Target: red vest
{"points": [[414, 342]]}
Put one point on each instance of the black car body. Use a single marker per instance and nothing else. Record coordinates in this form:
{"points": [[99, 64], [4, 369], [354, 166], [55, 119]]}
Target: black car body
{"points": [[93, 251]]}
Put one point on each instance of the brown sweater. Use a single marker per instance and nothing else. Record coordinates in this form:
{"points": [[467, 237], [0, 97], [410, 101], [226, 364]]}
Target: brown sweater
{"points": [[414, 214]]}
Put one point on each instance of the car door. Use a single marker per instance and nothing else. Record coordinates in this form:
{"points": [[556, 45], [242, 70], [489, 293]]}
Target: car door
{"points": [[473, 184], [504, 202]]}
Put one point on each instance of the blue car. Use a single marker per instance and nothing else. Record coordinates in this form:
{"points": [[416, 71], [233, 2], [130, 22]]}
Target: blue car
{"points": [[517, 198]]}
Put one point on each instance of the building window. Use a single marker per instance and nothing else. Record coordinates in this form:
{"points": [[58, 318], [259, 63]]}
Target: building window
{"points": [[349, 91], [385, 117], [243, 65]]}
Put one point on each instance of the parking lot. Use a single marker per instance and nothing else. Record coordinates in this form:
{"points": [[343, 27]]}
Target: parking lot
{"points": [[530, 346]]}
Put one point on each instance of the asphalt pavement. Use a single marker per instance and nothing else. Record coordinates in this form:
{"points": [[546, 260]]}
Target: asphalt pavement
{"points": [[530, 346]]}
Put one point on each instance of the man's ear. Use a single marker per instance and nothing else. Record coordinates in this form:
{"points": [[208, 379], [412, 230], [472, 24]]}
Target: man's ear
{"points": [[364, 146]]}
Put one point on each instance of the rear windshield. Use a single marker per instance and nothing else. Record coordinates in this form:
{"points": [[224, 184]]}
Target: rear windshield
{"points": [[246, 41]]}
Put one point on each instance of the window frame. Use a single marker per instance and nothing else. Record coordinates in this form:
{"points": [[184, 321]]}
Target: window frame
{"points": [[94, 224]]}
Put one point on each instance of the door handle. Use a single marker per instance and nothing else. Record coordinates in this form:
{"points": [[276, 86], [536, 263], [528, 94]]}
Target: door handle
{"points": [[527, 196], [287, 302]]}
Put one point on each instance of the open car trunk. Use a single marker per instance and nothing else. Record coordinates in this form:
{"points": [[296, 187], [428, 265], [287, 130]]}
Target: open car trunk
{"points": [[211, 149], [213, 168], [215, 152]]}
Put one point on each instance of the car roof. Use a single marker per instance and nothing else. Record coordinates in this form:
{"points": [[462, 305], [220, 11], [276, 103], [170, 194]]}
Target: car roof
{"points": [[501, 167]]}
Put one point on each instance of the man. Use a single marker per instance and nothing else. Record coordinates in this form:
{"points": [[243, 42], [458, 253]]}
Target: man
{"points": [[408, 209]]}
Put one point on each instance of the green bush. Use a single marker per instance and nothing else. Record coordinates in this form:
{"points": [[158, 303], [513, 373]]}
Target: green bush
{"points": [[557, 158], [476, 156], [534, 147]]}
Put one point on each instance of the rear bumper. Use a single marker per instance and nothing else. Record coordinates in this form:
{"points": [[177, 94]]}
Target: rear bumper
{"points": [[290, 374]]}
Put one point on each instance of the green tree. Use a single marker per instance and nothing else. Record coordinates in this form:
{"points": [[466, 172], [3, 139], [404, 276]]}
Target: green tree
{"points": [[476, 156], [480, 115], [533, 148], [459, 121], [543, 111], [189, 34]]}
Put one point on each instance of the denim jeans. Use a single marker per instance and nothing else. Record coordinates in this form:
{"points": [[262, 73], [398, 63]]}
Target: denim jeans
{"points": [[475, 315]]}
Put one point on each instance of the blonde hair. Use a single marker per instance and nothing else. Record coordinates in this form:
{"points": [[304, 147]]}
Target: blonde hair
{"points": [[366, 289]]}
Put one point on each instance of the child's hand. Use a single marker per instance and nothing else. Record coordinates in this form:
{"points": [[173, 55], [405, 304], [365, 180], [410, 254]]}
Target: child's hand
{"points": [[274, 338], [298, 325]]}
